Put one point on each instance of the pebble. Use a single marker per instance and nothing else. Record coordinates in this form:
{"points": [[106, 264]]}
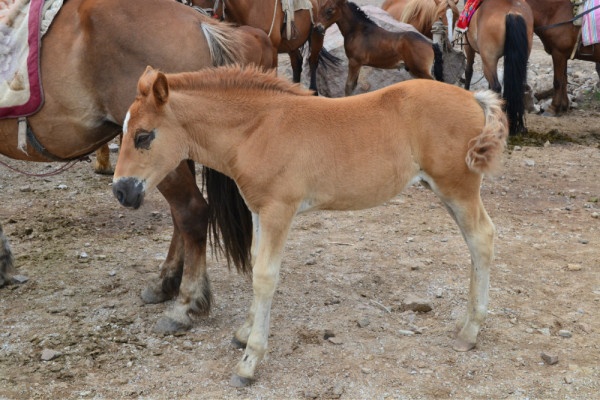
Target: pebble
{"points": [[363, 322], [529, 162], [518, 148], [405, 332], [112, 273], [549, 359], [416, 304], [439, 293], [20, 279], [365, 371], [310, 395], [113, 147], [583, 241], [311, 261], [187, 344], [565, 333], [574, 267], [568, 380], [62, 186], [25, 188], [544, 331], [48, 355], [529, 330], [83, 255], [595, 215]]}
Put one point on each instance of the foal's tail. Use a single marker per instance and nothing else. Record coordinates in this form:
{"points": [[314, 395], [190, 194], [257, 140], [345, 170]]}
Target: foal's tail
{"points": [[516, 54], [483, 155], [438, 63]]}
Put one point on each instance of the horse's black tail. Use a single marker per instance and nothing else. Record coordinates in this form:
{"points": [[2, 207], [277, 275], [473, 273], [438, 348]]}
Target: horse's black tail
{"points": [[229, 220], [516, 54], [438, 63], [327, 59]]}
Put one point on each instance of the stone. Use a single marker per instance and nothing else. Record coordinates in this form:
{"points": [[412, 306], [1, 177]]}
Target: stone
{"points": [[363, 322], [583, 241], [595, 215], [574, 267], [568, 380], [529, 162], [412, 303], [25, 189], [48, 354], [20, 279], [113, 147], [565, 333], [331, 79], [403, 332], [549, 359]]}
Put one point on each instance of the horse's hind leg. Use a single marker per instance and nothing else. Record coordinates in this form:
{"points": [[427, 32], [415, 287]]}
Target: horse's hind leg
{"points": [[470, 53], [490, 70], [102, 164], [352, 80], [478, 231], [296, 61], [316, 45], [6, 260], [187, 262]]}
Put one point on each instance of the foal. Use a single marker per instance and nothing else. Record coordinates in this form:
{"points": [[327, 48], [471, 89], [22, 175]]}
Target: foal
{"points": [[368, 44], [290, 152]]}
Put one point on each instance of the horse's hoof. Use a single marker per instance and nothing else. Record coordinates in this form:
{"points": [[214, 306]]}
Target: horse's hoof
{"points": [[105, 171], [463, 345], [153, 295], [237, 344], [166, 326], [549, 114], [239, 381]]}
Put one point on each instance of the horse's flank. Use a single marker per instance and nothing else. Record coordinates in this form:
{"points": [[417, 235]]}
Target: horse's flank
{"points": [[422, 14]]}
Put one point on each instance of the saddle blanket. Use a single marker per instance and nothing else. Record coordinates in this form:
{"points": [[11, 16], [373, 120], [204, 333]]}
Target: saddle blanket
{"points": [[289, 7], [20, 36], [590, 30], [467, 13]]}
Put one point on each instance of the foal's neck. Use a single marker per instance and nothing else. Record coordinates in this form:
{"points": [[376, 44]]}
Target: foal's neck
{"points": [[349, 23]]}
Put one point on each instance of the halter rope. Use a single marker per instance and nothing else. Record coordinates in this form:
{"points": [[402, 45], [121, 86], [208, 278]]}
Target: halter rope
{"points": [[273, 22]]}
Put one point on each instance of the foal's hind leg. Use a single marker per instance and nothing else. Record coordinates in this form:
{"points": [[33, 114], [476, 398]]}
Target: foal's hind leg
{"points": [[470, 53], [478, 231], [6, 260], [188, 262]]}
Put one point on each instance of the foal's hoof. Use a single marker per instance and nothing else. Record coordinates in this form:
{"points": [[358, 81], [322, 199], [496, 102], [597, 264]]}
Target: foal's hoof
{"points": [[153, 295], [109, 171], [463, 345], [239, 381], [166, 326], [237, 344]]}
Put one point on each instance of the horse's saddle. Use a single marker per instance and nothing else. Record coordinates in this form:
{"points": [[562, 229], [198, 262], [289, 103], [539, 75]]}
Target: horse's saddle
{"points": [[289, 7]]}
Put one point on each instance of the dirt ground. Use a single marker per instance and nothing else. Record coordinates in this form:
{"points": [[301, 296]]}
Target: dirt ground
{"points": [[345, 273]]}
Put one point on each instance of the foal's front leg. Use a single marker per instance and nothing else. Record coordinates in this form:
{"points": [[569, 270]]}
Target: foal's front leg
{"points": [[353, 73], [274, 227]]}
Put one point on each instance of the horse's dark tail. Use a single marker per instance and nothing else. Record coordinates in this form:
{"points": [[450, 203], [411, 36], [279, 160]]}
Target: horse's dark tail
{"points": [[516, 54], [327, 59], [438, 63], [229, 220]]}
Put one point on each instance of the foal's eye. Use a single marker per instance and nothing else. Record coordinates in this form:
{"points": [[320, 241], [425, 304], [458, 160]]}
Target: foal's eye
{"points": [[143, 139], [330, 12]]}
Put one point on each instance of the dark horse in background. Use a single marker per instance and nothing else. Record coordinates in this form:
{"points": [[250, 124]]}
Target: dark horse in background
{"points": [[559, 41], [92, 57], [269, 16], [502, 28]]}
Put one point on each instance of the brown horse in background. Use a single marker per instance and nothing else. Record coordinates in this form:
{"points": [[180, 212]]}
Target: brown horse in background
{"points": [[268, 16], [560, 41], [290, 152], [92, 56], [368, 44], [502, 28], [422, 14]]}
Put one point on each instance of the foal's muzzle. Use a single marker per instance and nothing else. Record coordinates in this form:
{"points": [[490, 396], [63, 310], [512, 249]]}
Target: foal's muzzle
{"points": [[319, 28], [129, 191]]}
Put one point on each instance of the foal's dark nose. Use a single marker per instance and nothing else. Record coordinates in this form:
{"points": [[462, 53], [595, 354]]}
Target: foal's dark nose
{"points": [[319, 28], [129, 191]]}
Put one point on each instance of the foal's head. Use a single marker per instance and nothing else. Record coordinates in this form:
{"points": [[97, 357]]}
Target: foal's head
{"points": [[153, 141], [330, 11]]}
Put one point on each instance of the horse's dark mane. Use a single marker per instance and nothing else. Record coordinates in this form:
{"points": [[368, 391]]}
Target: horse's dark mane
{"points": [[234, 77], [360, 14]]}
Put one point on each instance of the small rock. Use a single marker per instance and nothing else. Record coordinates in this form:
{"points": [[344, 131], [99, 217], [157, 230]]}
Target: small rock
{"points": [[547, 143], [112, 273], [48, 355], [311, 261], [405, 332], [187, 344], [439, 292], [414, 267], [20, 279], [529, 330], [363, 322], [565, 333], [366, 371], [113, 147], [549, 359], [544, 331], [310, 395], [62, 186], [518, 148], [416, 304], [568, 380], [583, 241], [574, 267], [25, 188], [529, 162], [584, 327], [83, 255], [595, 215], [335, 340]]}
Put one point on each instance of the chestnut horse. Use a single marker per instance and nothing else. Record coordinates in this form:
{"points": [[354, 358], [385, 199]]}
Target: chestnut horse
{"points": [[366, 43], [290, 152], [422, 14], [502, 28], [269, 16], [92, 56], [560, 41]]}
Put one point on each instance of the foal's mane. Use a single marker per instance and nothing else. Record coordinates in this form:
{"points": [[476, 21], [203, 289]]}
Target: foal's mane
{"points": [[234, 77], [360, 14]]}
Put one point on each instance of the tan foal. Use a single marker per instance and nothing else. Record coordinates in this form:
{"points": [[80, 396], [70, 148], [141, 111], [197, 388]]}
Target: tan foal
{"points": [[290, 152]]}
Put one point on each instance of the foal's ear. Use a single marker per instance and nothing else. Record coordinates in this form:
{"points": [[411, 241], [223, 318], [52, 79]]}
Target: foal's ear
{"points": [[160, 89]]}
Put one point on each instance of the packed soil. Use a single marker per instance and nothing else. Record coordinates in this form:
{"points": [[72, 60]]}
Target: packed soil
{"points": [[338, 328]]}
